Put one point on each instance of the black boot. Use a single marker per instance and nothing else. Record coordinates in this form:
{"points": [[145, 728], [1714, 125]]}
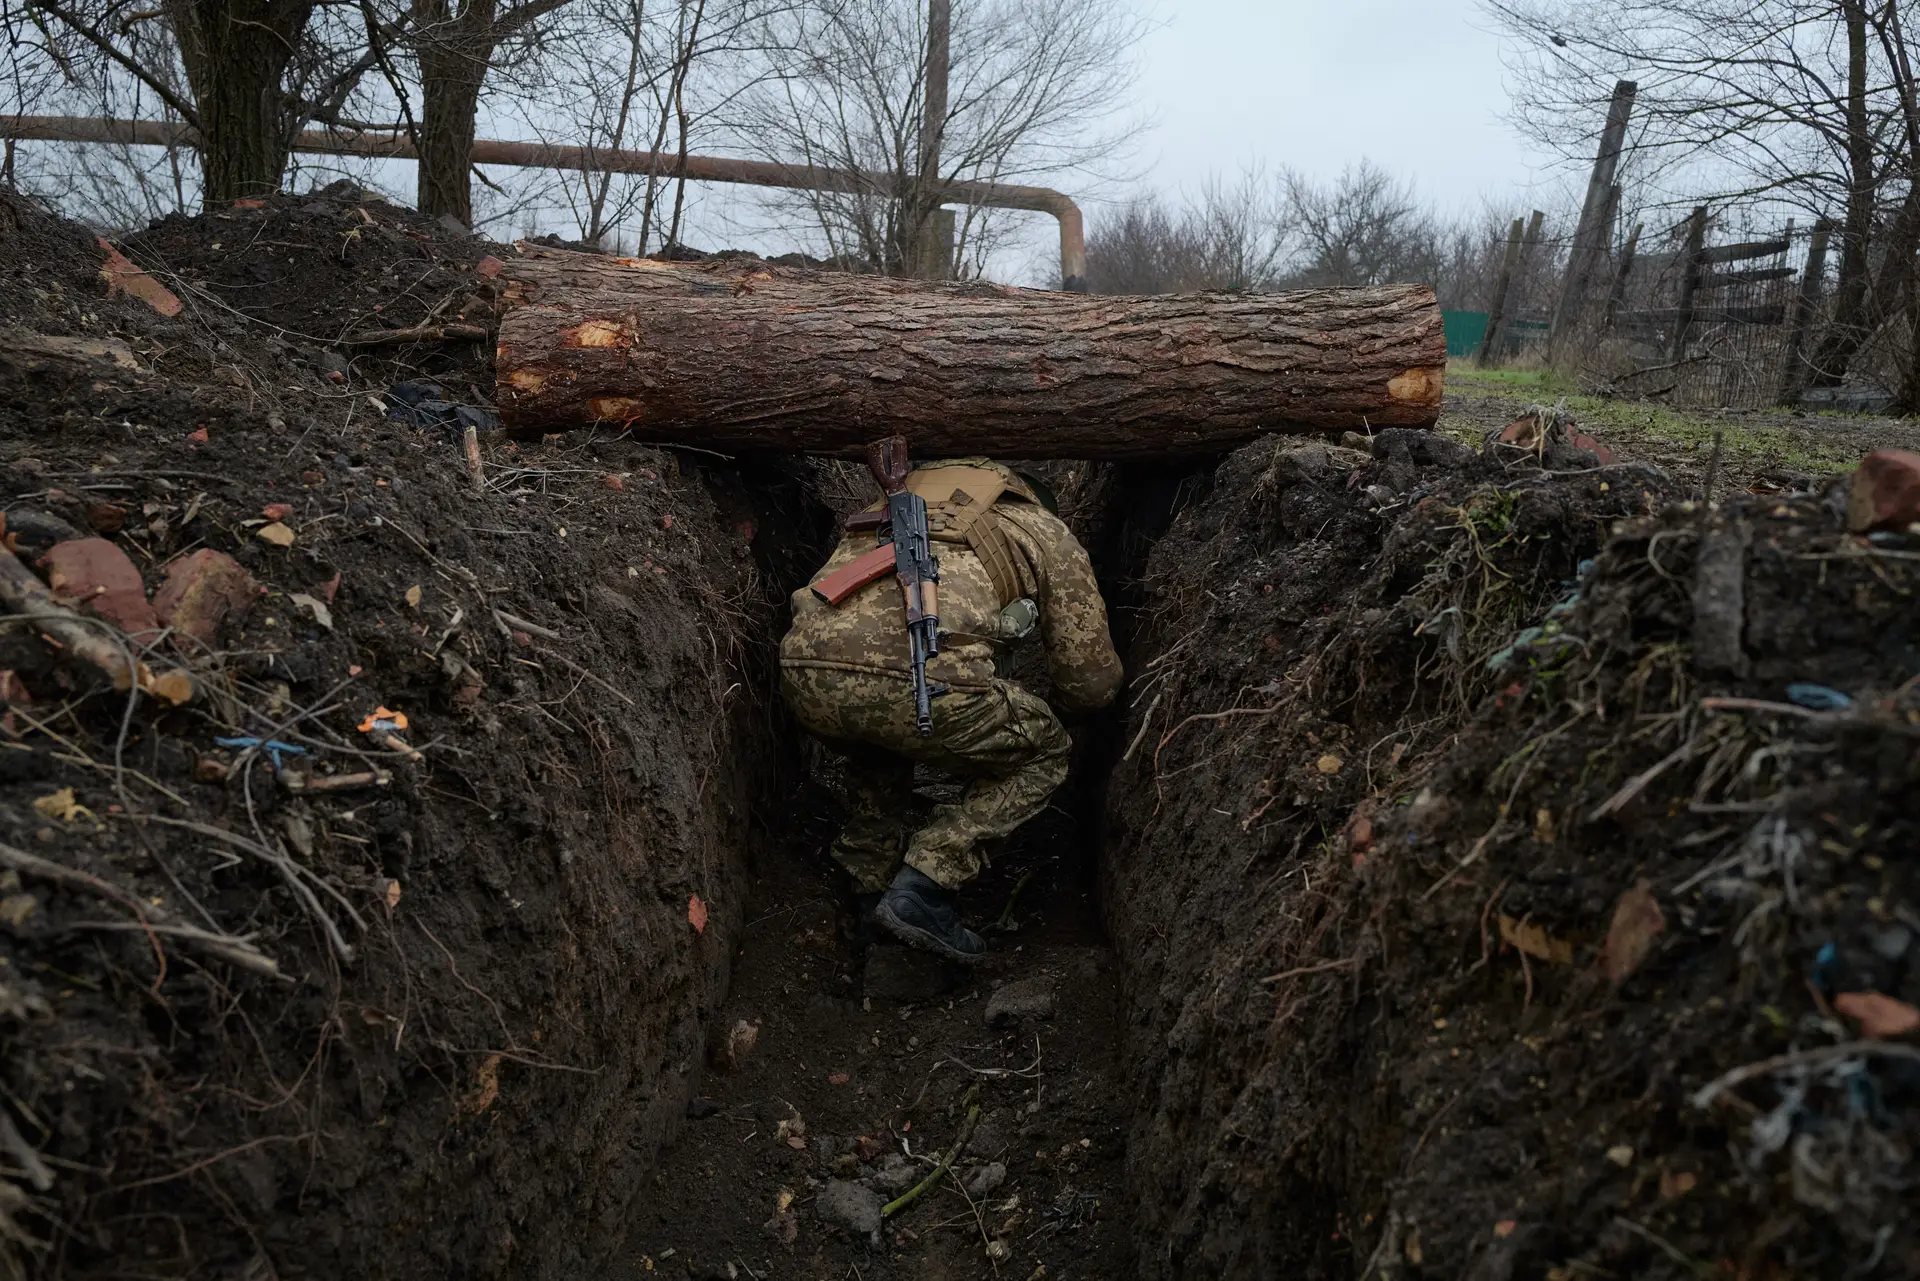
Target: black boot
{"points": [[920, 912]]}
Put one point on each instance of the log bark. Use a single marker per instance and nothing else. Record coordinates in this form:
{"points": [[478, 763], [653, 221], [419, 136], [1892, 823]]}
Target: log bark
{"points": [[746, 356]]}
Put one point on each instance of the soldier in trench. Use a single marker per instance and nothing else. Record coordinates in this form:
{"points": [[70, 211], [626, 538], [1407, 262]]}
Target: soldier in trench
{"points": [[1009, 567]]}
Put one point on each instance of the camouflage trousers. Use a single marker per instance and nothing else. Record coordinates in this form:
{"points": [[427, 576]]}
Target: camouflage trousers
{"points": [[1007, 743]]}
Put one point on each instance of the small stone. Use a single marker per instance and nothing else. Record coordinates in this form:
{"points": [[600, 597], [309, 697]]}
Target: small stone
{"points": [[984, 1180], [97, 576], [202, 592], [1885, 492], [1030, 998], [106, 518], [895, 1174], [1621, 1155], [849, 1205]]}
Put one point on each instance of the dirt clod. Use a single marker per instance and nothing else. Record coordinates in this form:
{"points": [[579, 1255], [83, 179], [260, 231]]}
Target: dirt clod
{"points": [[1028, 998]]}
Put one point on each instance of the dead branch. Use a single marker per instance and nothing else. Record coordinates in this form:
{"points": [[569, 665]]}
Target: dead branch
{"points": [[1802, 1058], [418, 333], [152, 920]]}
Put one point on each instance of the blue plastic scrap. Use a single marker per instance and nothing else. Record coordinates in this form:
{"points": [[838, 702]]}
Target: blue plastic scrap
{"points": [[273, 747], [1819, 698]]}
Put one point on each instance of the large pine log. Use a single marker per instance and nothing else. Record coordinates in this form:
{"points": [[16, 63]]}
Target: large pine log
{"points": [[742, 355]]}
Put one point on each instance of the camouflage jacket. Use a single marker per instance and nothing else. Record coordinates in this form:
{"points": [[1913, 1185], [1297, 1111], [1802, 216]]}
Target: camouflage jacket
{"points": [[868, 633]]}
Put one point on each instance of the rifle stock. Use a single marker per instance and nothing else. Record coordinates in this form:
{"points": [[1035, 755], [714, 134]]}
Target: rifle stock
{"points": [[851, 577]]}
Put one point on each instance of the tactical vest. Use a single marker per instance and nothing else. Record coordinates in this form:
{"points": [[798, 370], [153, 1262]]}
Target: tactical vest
{"points": [[960, 498]]}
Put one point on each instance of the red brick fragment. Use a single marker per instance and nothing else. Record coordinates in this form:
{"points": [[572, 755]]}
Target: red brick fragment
{"points": [[199, 434], [277, 511], [1359, 832], [202, 592], [97, 576], [122, 277], [106, 518], [613, 482], [1886, 491], [490, 266]]}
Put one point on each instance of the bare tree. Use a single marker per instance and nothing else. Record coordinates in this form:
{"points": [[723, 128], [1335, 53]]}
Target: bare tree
{"points": [[1804, 105], [1034, 93], [454, 45], [244, 75], [1230, 237], [1259, 233]]}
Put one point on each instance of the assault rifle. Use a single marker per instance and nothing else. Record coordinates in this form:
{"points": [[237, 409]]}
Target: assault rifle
{"points": [[909, 554], [913, 565]]}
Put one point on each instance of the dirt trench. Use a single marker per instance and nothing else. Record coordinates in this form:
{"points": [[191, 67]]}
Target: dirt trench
{"points": [[1466, 885]]}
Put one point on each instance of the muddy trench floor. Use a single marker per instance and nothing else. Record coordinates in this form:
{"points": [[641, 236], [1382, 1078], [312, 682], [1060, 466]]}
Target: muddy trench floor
{"points": [[841, 1071]]}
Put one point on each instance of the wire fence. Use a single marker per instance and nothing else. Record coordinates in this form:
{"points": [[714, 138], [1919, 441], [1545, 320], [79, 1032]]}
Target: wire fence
{"points": [[1690, 316]]}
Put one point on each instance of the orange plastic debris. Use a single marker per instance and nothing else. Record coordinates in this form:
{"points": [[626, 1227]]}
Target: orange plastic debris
{"points": [[383, 718]]}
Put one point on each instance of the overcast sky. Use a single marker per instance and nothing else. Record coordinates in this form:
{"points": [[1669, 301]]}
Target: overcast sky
{"points": [[1416, 85]]}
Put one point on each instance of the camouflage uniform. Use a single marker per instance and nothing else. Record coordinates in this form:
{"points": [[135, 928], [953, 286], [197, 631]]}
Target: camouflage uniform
{"points": [[845, 675]]}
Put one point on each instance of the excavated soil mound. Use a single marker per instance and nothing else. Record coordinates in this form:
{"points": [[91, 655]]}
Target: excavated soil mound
{"points": [[1512, 875], [287, 991]]}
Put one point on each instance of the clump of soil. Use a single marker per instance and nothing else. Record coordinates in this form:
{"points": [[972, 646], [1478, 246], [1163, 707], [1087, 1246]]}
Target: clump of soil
{"points": [[1446, 891], [497, 935]]}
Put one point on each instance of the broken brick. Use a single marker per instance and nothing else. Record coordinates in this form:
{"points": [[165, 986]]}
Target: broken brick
{"points": [[490, 266], [121, 276], [1359, 832], [1886, 491], [97, 576], [277, 511], [202, 591], [106, 518]]}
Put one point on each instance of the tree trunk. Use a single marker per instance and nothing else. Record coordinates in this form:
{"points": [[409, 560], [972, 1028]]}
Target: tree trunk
{"points": [[1850, 326], [454, 49], [235, 53], [745, 356]]}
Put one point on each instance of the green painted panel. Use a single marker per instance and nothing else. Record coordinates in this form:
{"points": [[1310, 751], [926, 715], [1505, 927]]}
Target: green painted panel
{"points": [[1465, 331]]}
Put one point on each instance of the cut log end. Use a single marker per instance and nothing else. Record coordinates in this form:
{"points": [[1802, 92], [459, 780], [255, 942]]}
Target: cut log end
{"points": [[1423, 387]]}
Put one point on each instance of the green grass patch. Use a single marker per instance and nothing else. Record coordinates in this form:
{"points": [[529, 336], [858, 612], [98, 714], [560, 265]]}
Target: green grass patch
{"points": [[1744, 443], [1539, 383], [1659, 430]]}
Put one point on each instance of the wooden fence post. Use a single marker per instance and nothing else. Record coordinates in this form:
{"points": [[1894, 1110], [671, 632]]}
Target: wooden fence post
{"points": [[1793, 377], [1590, 234], [1690, 282], [1500, 291], [1617, 296]]}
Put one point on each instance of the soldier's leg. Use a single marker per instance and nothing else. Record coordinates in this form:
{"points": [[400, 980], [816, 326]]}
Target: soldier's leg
{"points": [[879, 796], [1016, 751]]}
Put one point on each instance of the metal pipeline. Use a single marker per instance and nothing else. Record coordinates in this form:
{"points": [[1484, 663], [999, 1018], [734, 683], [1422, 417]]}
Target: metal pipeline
{"points": [[540, 155]]}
